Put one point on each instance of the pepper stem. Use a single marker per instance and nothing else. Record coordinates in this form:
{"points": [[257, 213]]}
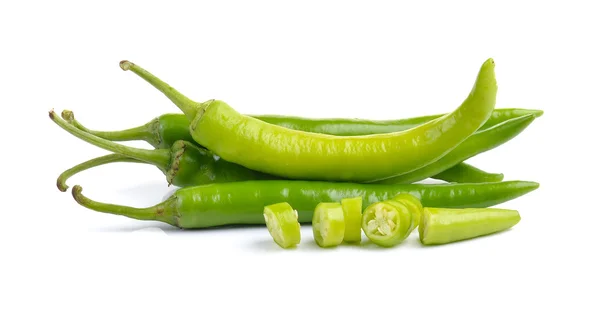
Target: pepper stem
{"points": [[163, 211], [185, 104], [61, 182], [158, 157], [143, 132]]}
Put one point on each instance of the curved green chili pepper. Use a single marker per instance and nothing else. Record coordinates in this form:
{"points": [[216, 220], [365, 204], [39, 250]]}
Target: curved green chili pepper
{"points": [[184, 164], [163, 131], [487, 139], [465, 173], [477, 143], [299, 155], [243, 202], [442, 226]]}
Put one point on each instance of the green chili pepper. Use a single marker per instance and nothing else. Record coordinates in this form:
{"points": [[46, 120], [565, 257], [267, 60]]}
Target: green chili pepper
{"points": [[282, 222], [328, 224], [352, 216], [441, 226], [464, 172], [184, 164], [486, 139], [300, 155], [163, 131], [243, 202], [479, 142]]}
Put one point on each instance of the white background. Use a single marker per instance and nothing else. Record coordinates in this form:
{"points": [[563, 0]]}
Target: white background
{"points": [[374, 60]]}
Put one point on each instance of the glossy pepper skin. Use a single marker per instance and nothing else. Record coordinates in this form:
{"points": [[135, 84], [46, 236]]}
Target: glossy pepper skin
{"points": [[300, 155], [163, 131], [463, 173], [477, 143], [243, 202], [184, 164], [442, 225]]}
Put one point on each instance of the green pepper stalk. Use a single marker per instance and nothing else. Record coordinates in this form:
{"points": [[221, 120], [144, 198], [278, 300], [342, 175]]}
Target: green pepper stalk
{"points": [[477, 143], [442, 225], [300, 155], [164, 130], [184, 164], [485, 139], [243, 202]]}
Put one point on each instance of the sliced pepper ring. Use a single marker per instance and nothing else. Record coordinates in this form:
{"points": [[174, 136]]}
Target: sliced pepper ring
{"points": [[386, 223], [328, 224], [282, 223], [352, 217], [414, 206]]}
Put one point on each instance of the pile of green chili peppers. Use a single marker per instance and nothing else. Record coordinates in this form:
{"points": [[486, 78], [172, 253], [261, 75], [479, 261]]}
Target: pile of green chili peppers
{"points": [[344, 176]]}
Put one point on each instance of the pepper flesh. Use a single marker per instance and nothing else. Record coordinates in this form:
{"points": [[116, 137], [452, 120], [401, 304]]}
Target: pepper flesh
{"points": [[387, 223], [442, 225], [237, 203], [282, 222], [328, 224], [352, 216], [279, 151]]}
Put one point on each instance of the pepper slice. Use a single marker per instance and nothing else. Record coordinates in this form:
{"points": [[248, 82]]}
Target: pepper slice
{"points": [[328, 224], [387, 223], [414, 206], [352, 217], [442, 225], [282, 223]]}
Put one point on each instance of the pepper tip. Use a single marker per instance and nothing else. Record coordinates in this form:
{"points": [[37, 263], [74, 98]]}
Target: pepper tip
{"points": [[67, 115], [76, 192], [61, 185], [125, 65]]}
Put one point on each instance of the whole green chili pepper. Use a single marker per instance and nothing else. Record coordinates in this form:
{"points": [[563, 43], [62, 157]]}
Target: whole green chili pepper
{"points": [[477, 143], [486, 139], [163, 131], [243, 202], [442, 226], [465, 173], [300, 155], [184, 164]]}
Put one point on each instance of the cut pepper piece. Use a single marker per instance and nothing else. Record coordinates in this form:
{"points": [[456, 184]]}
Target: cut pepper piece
{"points": [[442, 226], [414, 206], [328, 224], [387, 223], [282, 223], [352, 208]]}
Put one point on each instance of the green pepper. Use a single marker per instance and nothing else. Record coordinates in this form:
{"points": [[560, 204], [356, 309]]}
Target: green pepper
{"points": [[282, 222], [184, 164], [300, 155], [465, 173], [479, 142], [164, 130], [328, 224], [484, 140], [442, 225], [352, 217], [243, 202]]}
